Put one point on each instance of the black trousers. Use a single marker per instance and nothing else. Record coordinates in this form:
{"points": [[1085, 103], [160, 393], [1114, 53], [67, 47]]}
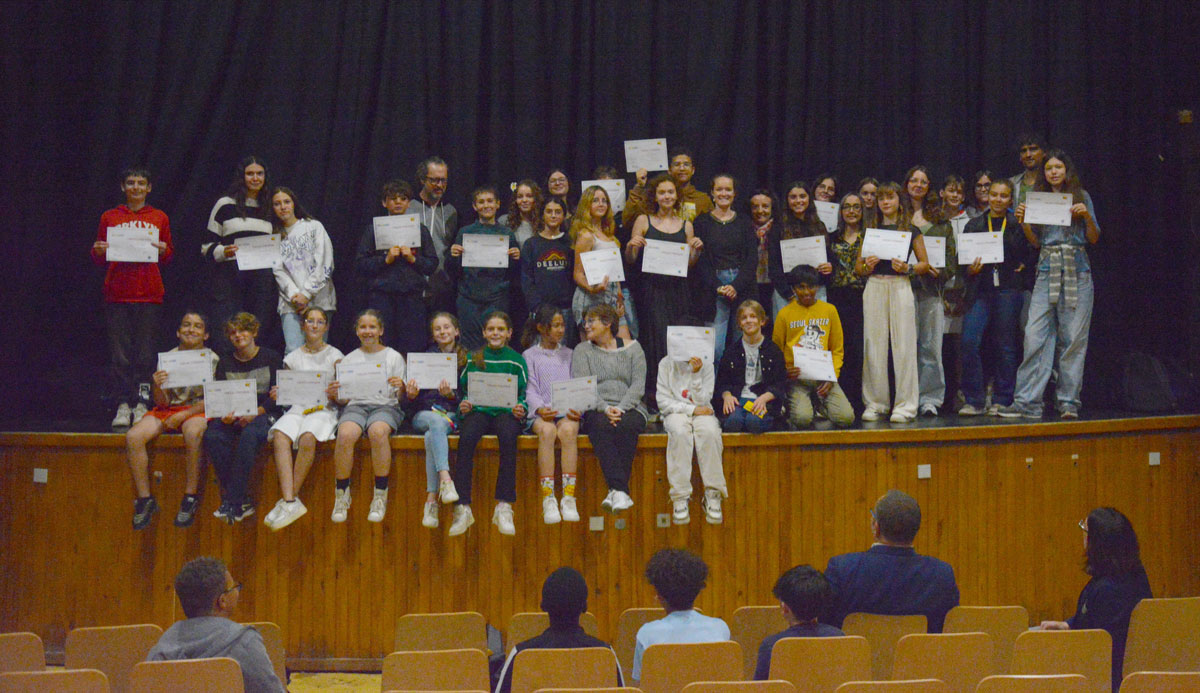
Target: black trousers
{"points": [[474, 426], [405, 327], [131, 338], [614, 446]]}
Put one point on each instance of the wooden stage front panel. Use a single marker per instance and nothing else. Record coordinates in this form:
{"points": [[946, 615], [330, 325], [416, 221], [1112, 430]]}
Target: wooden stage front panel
{"points": [[1001, 506]]}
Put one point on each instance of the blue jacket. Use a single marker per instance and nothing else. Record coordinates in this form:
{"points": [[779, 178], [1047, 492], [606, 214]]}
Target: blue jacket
{"points": [[892, 580]]}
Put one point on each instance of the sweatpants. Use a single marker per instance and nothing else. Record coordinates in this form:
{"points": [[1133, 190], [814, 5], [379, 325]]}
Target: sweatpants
{"points": [[889, 311], [703, 434]]}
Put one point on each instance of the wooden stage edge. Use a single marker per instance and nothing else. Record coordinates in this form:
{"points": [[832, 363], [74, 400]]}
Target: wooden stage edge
{"points": [[1000, 504]]}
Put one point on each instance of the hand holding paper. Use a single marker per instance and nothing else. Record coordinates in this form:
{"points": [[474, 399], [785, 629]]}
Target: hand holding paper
{"points": [[814, 364], [684, 343]]}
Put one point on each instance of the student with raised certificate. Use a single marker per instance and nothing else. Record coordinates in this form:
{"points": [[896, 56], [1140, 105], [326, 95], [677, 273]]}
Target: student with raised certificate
{"points": [[483, 288]]}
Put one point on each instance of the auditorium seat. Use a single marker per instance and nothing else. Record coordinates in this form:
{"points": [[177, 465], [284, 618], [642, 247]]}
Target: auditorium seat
{"points": [[1084, 652], [748, 627], [438, 670], [187, 676], [586, 667], [771, 686], [668, 667], [960, 660], [111, 649], [916, 686], [21, 652], [272, 637], [820, 665], [628, 624], [64, 681], [626, 689], [1164, 635], [1161, 682], [527, 624], [882, 633], [1064, 683], [448, 631], [1003, 623]]}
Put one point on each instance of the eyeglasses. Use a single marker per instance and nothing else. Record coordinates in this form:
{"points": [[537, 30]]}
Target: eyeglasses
{"points": [[982, 186], [436, 181], [237, 587], [1083, 525]]}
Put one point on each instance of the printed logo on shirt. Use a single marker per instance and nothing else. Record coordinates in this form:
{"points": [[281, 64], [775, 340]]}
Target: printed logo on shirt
{"points": [[554, 260], [814, 334]]}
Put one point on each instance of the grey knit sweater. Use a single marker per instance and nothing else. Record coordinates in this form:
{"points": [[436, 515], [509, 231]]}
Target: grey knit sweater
{"points": [[620, 374]]}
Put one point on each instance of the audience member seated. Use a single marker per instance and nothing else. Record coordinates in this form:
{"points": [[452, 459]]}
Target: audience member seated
{"points": [[804, 596], [890, 577]]}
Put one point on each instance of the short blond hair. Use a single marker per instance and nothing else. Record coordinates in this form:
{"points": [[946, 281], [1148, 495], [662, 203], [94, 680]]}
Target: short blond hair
{"points": [[753, 306], [242, 321]]}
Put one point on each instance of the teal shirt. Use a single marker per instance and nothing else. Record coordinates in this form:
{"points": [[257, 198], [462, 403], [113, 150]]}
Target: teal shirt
{"points": [[502, 360]]}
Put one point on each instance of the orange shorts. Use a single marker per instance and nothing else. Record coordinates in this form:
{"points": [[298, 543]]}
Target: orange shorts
{"points": [[164, 413]]}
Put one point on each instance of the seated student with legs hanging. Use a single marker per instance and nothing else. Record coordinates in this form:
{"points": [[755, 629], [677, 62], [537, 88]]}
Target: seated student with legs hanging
{"points": [[684, 393]]}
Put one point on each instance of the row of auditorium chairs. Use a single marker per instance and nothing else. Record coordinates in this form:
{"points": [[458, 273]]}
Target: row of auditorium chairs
{"points": [[1164, 636]]}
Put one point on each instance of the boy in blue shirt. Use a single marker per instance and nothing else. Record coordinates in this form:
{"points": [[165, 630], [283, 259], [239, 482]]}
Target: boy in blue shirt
{"points": [[678, 576]]}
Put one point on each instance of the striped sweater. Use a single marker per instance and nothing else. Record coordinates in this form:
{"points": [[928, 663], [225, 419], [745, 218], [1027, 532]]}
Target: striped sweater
{"points": [[502, 360], [225, 227]]}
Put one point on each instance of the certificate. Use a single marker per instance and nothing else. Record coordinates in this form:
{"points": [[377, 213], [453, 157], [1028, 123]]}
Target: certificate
{"points": [[648, 154], [886, 245], [397, 230], [187, 367], [1048, 208], [987, 246], [685, 342], [258, 252], [131, 244], [935, 250], [301, 388], [576, 394], [802, 251], [429, 370], [665, 257], [615, 187], [492, 389], [814, 364], [362, 381], [827, 212], [605, 262], [230, 397], [485, 250]]}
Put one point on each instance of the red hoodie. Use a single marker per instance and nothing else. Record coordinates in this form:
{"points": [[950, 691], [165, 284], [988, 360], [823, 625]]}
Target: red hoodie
{"points": [[134, 282]]}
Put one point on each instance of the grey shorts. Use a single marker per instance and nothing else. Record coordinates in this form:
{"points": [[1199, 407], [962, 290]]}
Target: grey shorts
{"points": [[366, 414]]}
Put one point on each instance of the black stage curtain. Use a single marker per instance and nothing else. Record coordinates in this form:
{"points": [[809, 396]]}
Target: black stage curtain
{"points": [[338, 96]]}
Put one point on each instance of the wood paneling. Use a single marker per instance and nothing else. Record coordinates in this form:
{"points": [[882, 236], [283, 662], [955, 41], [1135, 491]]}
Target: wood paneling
{"points": [[1001, 507]]}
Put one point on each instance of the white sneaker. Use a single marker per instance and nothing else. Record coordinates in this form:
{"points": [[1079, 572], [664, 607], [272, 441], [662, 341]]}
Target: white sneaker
{"points": [[124, 416], [463, 519], [969, 410], [929, 410], [288, 513], [341, 505], [138, 412], [503, 519], [447, 493], [570, 513], [607, 504], [679, 512], [993, 409], [378, 506], [550, 514], [621, 501], [269, 520], [898, 418], [871, 415], [429, 518], [712, 506]]}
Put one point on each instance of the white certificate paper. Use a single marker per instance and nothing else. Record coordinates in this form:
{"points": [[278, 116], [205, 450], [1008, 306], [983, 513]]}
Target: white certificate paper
{"points": [[187, 367], [935, 250], [665, 257], [429, 370], [301, 388], [814, 364], [648, 154], [230, 397], [685, 342], [615, 187], [1048, 208], [258, 252], [492, 389], [485, 250], [605, 262], [802, 251], [827, 212], [886, 245], [397, 230], [987, 246], [576, 394], [362, 381], [131, 244]]}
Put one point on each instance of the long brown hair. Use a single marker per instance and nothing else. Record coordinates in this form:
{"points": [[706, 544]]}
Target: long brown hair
{"points": [[582, 221], [1071, 183], [514, 213], [809, 224], [477, 355], [903, 215], [458, 347]]}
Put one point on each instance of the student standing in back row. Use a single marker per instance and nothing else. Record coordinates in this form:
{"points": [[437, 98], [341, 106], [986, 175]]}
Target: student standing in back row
{"points": [[481, 290]]}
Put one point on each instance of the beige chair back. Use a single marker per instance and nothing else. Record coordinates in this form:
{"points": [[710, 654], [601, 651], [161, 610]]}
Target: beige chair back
{"points": [[626, 689], [820, 665], [667, 668], [68, 681], [1003, 623], [1065, 683], [111, 649], [959, 660], [450, 631], [748, 627], [527, 624], [882, 633], [1084, 652], [1161, 682], [438, 670], [187, 676], [769, 686], [585, 667], [917, 686], [21, 652], [272, 636], [1164, 635], [628, 624]]}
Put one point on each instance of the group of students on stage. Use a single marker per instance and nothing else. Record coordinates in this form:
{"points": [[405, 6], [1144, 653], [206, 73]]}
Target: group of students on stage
{"points": [[856, 307]]}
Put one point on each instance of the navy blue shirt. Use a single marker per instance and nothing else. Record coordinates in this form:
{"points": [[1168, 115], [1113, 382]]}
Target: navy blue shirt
{"points": [[892, 580], [800, 630]]}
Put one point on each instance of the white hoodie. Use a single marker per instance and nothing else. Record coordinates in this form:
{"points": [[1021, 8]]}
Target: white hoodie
{"points": [[680, 390]]}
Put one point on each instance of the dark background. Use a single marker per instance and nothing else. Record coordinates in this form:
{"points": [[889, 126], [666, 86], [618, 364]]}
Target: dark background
{"points": [[339, 96]]}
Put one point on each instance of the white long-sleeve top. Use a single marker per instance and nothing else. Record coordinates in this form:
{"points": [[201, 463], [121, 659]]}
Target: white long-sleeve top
{"points": [[680, 390], [307, 267]]}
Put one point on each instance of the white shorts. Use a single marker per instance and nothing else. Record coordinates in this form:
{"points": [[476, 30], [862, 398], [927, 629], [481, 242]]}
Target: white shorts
{"points": [[322, 424]]}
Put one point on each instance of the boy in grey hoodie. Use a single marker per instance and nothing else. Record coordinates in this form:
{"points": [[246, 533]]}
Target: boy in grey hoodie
{"points": [[209, 595]]}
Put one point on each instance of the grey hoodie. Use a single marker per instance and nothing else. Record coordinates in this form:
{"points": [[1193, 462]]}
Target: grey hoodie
{"points": [[216, 636]]}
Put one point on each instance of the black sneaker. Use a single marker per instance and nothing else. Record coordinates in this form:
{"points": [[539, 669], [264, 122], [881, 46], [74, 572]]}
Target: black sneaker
{"points": [[143, 510], [223, 511], [239, 512], [187, 511]]}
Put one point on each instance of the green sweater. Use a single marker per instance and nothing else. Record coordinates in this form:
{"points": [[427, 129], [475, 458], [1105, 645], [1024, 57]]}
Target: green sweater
{"points": [[502, 360]]}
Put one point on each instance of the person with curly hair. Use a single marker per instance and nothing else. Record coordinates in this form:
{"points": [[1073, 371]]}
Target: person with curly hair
{"points": [[677, 576]]}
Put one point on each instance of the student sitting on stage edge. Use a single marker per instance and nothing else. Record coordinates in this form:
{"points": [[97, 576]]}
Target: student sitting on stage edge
{"points": [[752, 376], [804, 596]]}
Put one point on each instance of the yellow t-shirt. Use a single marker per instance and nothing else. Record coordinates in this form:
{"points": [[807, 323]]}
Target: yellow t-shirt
{"points": [[815, 327]]}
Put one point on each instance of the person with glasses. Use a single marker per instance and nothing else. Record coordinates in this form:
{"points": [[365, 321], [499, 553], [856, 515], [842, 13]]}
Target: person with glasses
{"points": [[980, 193], [209, 596], [692, 202], [846, 291], [305, 278], [441, 219]]}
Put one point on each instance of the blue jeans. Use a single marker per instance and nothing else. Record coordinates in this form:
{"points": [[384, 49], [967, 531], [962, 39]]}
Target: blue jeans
{"points": [[437, 447], [293, 334], [233, 449], [1002, 310], [1050, 328], [931, 327], [725, 323], [742, 420]]}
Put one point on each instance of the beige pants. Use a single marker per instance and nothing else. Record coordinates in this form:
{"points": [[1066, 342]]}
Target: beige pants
{"points": [[703, 434], [800, 409], [889, 310]]}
